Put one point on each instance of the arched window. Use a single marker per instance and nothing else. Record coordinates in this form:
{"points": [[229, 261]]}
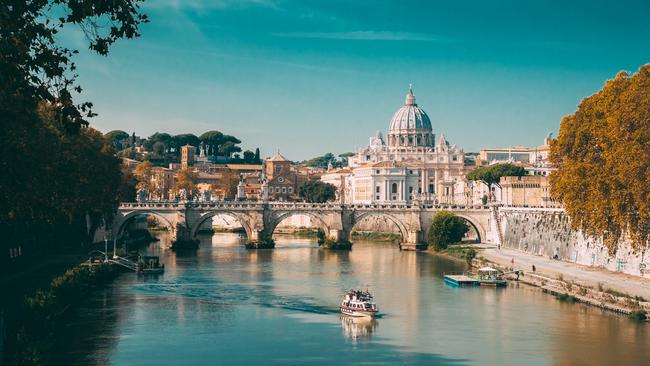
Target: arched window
{"points": [[393, 188]]}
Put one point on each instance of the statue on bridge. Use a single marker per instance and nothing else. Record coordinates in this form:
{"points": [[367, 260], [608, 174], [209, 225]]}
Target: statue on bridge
{"points": [[141, 195]]}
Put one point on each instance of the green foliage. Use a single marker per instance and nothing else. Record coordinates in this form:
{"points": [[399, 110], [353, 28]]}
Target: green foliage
{"points": [[44, 310], [445, 229], [329, 158], [493, 173], [331, 243], [321, 236], [35, 69], [470, 254], [567, 298], [639, 315], [601, 155], [116, 137], [317, 192], [55, 171]]}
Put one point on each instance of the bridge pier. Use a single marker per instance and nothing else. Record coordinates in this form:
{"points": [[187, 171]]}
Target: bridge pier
{"points": [[182, 238], [413, 242]]}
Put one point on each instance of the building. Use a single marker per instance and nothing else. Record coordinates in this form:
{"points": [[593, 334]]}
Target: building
{"points": [[282, 180], [411, 164], [188, 156], [533, 159], [529, 190]]}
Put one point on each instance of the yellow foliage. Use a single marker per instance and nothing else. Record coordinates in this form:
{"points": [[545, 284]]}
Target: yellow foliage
{"points": [[602, 153]]}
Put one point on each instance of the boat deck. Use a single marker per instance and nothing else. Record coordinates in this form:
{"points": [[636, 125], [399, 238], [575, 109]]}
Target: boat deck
{"points": [[460, 280]]}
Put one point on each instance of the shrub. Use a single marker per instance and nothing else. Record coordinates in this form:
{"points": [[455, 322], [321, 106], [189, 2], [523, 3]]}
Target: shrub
{"points": [[445, 229], [639, 315], [567, 298]]}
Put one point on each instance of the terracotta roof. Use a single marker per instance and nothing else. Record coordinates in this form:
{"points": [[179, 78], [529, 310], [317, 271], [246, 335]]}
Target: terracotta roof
{"points": [[244, 166], [277, 157]]}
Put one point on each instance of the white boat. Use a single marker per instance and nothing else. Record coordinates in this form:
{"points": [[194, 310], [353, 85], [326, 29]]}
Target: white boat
{"points": [[359, 304]]}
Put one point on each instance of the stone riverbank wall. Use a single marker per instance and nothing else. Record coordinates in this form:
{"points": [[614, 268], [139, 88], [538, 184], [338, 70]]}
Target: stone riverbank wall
{"points": [[547, 232]]}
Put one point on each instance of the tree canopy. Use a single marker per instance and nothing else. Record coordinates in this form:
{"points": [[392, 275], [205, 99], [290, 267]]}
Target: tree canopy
{"points": [[35, 68], [329, 158], [315, 191], [56, 172], [603, 164], [446, 228], [493, 173]]}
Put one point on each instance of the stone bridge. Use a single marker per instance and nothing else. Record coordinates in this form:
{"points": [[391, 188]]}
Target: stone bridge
{"points": [[259, 220]]}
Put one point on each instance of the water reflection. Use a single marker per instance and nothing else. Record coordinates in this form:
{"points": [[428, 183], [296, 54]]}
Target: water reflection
{"points": [[230, 305], [358, 329]]}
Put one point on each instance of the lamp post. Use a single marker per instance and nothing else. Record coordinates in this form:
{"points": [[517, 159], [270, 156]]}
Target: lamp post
{"points": [[114, 248], [105, 249]]}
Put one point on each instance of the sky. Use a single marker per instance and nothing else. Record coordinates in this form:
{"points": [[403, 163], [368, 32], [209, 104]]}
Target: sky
{"points": [[310, 77]]}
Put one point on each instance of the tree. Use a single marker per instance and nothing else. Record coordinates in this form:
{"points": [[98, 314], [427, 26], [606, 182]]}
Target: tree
{"points": [[249, 157], [257, 156], [322, 161], [143, 175], [446, 228], [603, 169], [128, 186], [181, 140], [186, 180], [345, 157], [315, 191], [493, 173], [34, 68], [116, 137]]}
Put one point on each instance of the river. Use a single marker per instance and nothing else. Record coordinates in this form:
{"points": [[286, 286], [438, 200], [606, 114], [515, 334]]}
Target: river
{"points": [[226, 305]]}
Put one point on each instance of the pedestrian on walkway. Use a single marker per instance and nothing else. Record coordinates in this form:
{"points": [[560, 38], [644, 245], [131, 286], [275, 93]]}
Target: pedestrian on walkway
{"points": [[533, 268]]}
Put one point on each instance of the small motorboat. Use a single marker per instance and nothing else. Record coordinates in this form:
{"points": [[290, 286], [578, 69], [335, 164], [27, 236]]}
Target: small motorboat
{"points": [[150, 265], [358, 303]]}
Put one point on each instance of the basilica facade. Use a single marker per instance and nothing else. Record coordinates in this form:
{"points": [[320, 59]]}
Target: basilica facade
{"points": [[409, 165]]}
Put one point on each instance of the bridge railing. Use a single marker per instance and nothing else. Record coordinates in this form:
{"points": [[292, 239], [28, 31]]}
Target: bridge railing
{"points": [[255, 205]]}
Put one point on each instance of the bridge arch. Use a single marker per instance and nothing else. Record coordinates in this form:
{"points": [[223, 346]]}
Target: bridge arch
{"points": [[240, 219], [480, 231], [121, 221], [402, 228], [316, 220]]}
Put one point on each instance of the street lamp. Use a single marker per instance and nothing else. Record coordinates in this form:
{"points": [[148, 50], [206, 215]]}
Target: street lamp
{"points": [[105, 249]]}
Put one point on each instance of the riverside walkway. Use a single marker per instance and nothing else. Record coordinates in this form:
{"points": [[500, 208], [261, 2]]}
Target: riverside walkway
{"points": [[583, 275]]}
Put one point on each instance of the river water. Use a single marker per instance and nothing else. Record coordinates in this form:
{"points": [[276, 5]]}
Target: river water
{"points": [[226, 305]]}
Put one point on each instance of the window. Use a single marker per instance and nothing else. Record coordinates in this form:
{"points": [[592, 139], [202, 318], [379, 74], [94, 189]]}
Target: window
{"points": [[393, 188], [277, 189], [377, 189], [280, 179], [367, 157], [431, 188], [454, 158], [284, 189], [290, 189], [377, 197], [376, 171], [410, 189]]}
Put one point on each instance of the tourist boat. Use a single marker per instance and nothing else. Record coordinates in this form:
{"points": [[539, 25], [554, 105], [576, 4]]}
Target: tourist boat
{"points": [[488, 276], [358, 303], [150, 265]]}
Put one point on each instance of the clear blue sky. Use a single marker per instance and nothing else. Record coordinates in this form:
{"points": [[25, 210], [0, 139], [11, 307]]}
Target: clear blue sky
{"points": [[309, 77]]}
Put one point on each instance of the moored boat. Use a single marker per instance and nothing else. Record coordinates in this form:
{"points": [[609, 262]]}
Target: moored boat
{"points": [[150, 265], [488, 276], [358, 303]]}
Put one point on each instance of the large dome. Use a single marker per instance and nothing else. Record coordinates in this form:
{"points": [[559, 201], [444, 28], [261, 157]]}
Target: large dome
{"points": [[410, 116], [410, 125]]}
